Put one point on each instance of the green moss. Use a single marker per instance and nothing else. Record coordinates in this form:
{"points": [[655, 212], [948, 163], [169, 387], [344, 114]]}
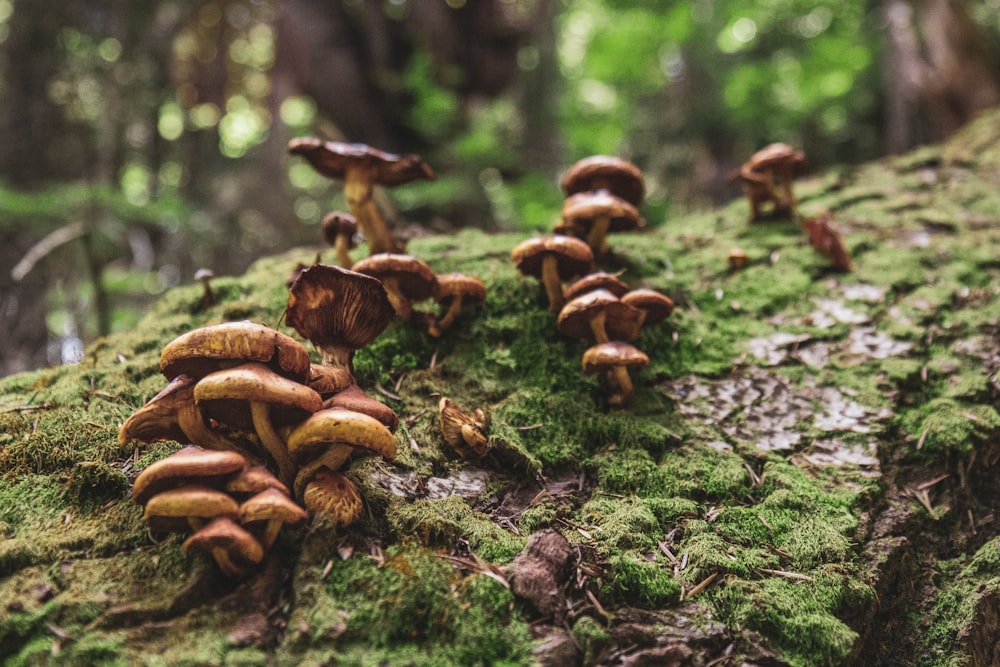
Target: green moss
{"points": [[591, 636], [944, 425], [640, 581]]}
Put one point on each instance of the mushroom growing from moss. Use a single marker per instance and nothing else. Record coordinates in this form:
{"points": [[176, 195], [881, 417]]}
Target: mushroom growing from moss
{"points": [[361, 168], [235, 551], [608, 173], [767, 179], [339, 229], [465, 433], [553, 259], [406, 279], [333, 494], [596, 214], [187, 508], [338, 311], [614, 359], [204, 276], [455, 290], [600, 315], [596, 280], [271, 397], [188, 465], [654, 306]]}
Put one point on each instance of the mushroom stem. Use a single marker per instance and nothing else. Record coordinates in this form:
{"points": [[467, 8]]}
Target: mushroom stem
{"points": [[275, 446], [358, 192], [437, 327], [191, 421], [342, 247], [553, 285], [338, 357], [226, 564], [597, 239], [403, 306], [598, 328], [624, 383]]}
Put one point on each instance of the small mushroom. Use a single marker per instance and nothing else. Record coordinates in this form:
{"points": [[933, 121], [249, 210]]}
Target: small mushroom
{"points": [[737, 259], [600, 315], [604, 172], [235, 551], [202, 351], [338, 311], [187, 508], [188, 465], [455, 290], [654, 306], [465, 433], [361, 168], [253, 480], [339, 229], [553, 259], [204, 276], [273, 509], [596, 280], [355, 399], [333, 494], [406, 279], [596, 214], [614, 359], [768, 170], [268, 395]]}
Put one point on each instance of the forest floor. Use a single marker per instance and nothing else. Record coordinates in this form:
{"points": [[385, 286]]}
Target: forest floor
{"points": [[805, 476]]}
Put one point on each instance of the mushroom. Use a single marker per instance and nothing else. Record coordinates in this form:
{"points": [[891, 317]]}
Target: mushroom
{"points": [[737, 259], [600, 315], [355, 399], [234, 550], [338, 311], [455, 289], [596, 214], [204, 276], [466, 434], [188, 465], [553, 259], [187, 508], [604, 172], [614, 359], [329, 380], [774, 165], [361, 168], [271, 398], [406, 279], [335, 495], [253, 480], [655, 307], [330, 437], [339, 229], [596, 280], [273, 509], [201, 351]]}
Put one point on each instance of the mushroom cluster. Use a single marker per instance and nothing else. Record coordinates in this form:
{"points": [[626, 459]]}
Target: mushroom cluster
{"points": [[233, 509], [767, 181]]}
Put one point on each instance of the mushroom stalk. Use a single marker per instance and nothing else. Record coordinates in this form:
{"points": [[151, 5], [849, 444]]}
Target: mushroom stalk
{"points": [[403, 306], [337, 356], [191, 421], [597, 239], [553, 285], [358, 192], [342, 248], [598, 328], [438, 326], [226, 564], [273, 443], [623, 380]]}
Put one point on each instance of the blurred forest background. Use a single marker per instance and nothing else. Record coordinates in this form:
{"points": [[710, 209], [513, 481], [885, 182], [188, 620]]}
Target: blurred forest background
{"points": [[141, 141]]}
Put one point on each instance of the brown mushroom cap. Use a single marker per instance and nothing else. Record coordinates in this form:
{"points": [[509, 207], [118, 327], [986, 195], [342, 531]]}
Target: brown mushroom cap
{"points": [[333, 159], [334, 494], [187, 508], [188, 465], [573, 256], [273, 509], [335, 307], [604, 172], [355, 399], [234, 549], [620, 320], [582, 208], [290, 401], [450, 285], [405, 274], [159, 418], [210, 348], [596, 280], [339, 224], [465, 433], [328, 380], [254, 480], [364, 435], [655, 306], [613, 354], [775, 155]]}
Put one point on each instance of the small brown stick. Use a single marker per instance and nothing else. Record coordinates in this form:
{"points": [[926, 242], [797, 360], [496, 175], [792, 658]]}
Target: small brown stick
{"points": [[705, 583], [786, 574]]}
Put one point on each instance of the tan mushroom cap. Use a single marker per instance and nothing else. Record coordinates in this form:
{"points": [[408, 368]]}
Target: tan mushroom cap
{"points": [[333, 159], [613, 354], [235, 550], [605, 172], [337, 225], [596, 280], [256, 382], [775, 155], [254, 480], [465, 433], [338, 310], [355, 399], [655, 306], [406, 278], [159, 419], [451, 285], [273, 509], [573, 256], [210, 348], [363, 435], [334, 494], [187, 508], [188, 465], [583, 208], [601, 316]]}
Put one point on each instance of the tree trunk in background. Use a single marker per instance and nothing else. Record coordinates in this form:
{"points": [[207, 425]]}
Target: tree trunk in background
{"points": [[939, 72]]}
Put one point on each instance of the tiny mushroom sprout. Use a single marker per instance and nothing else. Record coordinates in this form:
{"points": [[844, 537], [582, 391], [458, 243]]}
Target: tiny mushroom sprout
{"points": [[331, 493], [187, 508], [768, 170], [204, 276], [553, 259], [605, 173], [188, 465], [235, 551], [614, 359], [455, 290], [271, 397], [339, 311], [361, 168], [654, 306], [596, 214], [406, 279], [330, 437], [600, 315], [465, 433], [596, 280], [339, 229], [270, 510]]}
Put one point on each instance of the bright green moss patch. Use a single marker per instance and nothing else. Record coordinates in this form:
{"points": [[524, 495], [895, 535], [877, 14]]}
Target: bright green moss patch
{"points": [[943, 426]]}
